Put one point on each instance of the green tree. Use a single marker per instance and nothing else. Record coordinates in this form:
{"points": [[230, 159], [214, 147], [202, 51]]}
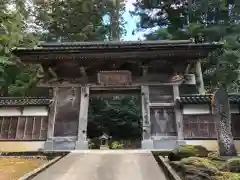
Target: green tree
{"points": [[205, 20], [77, 20], [15, 78], [118, 116]]}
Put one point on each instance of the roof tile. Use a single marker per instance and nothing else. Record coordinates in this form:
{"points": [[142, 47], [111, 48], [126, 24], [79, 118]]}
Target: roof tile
{"points": [[204, 99], [23, 101]]}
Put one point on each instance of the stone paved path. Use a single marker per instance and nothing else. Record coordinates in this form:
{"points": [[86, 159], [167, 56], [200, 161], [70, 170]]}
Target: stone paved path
{"points": [[104, 165]]}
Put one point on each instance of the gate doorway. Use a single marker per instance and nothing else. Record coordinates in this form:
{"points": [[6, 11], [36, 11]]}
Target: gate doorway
{"points": [[117, 114]]}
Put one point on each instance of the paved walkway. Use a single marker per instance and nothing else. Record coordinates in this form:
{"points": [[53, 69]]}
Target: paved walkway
{"points": [[104, 165]]}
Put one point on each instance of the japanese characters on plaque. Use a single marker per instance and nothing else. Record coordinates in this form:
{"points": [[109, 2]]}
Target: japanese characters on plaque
{"points": [[114, 77]]}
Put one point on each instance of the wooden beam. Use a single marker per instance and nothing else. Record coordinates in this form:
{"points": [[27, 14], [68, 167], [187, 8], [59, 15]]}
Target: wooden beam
{"points": [[9, 128], [29, 127], [25, 127], [1, 121], [161, 104], [43, 129], [20, 128], [37, 128], [6, 127], [41, 126], [100, 88], [94, 85], [12, 128], [2, 124], [34, 128]]}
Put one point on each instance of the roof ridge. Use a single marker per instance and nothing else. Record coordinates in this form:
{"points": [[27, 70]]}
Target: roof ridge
{"points": [[205, 99], [77, 43], [31, 97]]}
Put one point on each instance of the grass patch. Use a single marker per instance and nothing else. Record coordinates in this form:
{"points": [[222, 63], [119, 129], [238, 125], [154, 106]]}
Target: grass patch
{"points": [[12, 168]]}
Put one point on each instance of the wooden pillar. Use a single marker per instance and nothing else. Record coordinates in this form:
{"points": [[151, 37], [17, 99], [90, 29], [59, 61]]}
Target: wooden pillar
{"points": [[83, 119], [144, 70], [49, 145], [199, 78], [178, 114], [52, 115], [147, 143]]}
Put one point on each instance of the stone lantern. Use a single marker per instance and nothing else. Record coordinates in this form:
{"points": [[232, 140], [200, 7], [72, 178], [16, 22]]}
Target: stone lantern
{"points": [[104, 141]]}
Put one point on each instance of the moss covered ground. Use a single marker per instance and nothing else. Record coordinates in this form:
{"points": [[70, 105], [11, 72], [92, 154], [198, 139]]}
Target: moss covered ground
{"points": [[195, 162]]}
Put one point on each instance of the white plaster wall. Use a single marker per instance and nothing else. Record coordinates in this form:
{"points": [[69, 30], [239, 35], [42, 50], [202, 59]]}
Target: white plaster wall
{"points": [[192, 109], [10, 111], [26, 111], [35, 111]]}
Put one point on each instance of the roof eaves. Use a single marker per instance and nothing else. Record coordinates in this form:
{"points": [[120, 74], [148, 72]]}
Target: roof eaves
{"points": [[104, 43], [109, 45]]}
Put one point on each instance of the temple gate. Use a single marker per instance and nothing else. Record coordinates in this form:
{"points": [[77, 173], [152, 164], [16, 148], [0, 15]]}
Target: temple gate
{"points": [[155, 68]]}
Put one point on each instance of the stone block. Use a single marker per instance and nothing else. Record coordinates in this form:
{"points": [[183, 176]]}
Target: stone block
{"points": [[52, 145], [147, 144], [81, 145]]}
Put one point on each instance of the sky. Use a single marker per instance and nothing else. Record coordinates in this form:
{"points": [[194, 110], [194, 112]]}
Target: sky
{"points": [[131, 22]]}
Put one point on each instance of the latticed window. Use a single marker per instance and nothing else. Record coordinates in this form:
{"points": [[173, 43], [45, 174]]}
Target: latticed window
{"points": [[203, 126], [163, 121], [199, 126], [236, 125]]}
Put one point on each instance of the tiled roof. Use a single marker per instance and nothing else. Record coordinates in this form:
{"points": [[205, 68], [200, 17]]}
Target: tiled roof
{"points": [[204, 99], [23, 101], [162, 44], [116, 50], [112, 43]]}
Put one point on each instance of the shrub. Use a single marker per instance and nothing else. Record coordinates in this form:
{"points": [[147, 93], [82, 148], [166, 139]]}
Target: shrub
{"points": [[227, 176], [200, 163], [233, 164], [214, 156], [186, 151], [116, 145]]}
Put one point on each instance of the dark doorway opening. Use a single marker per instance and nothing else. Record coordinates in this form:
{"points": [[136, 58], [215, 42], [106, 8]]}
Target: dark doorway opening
{"points": [[117, 114]]}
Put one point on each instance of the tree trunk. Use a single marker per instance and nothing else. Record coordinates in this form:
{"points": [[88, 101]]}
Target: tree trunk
{"points": [[114, 20], [224, 135], [199, 78], [223, 123]]}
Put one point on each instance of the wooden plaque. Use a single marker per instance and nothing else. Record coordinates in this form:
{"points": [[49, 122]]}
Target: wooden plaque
{"points": [[114, 77]]}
